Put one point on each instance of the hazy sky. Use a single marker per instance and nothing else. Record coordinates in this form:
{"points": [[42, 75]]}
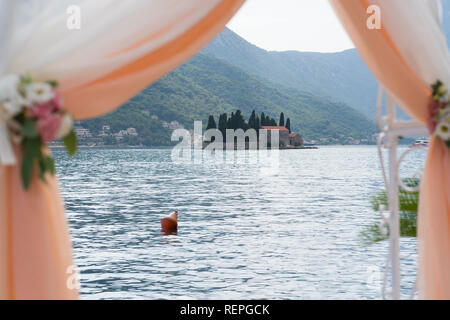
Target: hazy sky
{"points": [[303, 25]]}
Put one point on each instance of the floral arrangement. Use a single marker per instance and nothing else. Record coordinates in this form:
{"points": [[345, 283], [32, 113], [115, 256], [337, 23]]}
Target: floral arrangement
{"points": [[34, 115], [440, 112]]}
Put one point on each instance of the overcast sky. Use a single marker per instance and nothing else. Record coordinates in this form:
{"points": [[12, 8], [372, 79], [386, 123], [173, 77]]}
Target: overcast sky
{"points": [[302, 25]]}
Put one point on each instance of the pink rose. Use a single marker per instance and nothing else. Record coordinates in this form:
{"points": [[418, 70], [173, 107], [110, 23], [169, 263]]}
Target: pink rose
{"points": [[433, 109], [57, 101], [48, 127], [41, 111], [435, 106]]}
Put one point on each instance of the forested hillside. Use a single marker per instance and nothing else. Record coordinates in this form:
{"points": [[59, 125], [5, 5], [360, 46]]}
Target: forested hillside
{"points": [[206, 85]]}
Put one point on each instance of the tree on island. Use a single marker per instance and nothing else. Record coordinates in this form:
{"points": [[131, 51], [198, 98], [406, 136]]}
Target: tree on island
{"points": [[252, 120], [271, 122], [211, 123], [237, 121], [223, 119], [288, 124], [257, 123], [232, 121], [281, 123]]}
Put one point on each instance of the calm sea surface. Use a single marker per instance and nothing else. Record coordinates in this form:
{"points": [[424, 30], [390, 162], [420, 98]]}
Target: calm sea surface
{"points": [[247, 230]]}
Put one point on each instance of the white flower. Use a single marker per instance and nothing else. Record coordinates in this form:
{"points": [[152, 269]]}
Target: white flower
{"points": [[443, 131], [11, 102], [9, 110], [10, 91], [9, 87], [39, 92], [65, 127]]}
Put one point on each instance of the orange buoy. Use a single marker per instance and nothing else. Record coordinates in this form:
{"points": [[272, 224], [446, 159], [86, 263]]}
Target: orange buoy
{"points": [[170, 222]]}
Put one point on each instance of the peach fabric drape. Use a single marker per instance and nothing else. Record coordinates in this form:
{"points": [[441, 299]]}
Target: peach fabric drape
{"points": [[103, 95], [393, 69], [35, 248]]}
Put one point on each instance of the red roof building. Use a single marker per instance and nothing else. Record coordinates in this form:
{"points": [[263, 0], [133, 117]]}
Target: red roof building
{"points": [[274, 128], [283, 134]]}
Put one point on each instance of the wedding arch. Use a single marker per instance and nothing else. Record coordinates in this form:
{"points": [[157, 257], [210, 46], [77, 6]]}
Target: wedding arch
{"points": [[113, 56]]}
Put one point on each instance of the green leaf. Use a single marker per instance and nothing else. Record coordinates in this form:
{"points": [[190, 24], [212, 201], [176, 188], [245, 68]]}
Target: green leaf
{"points": [[50, 165], [408, 205], [53, 83], [408, 201], [32, 149], [29, 129], [46, 164], [26, 79], [408, 228], [71, 144], [42, 169]]}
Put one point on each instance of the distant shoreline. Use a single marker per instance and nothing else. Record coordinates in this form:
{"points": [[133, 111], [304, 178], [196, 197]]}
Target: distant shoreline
{"points": [[57, 147]]}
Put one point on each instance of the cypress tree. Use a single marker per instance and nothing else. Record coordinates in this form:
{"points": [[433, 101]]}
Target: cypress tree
{"points": [[257, 125], [239, 121], [252, 120], [223, 125], [288, 124], [281, 123], [263, 119], [230, 122], [211, 123], [271, 122]]}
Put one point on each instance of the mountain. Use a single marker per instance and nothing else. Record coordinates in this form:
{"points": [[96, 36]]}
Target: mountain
{"points": [[318, 91], [206, 85], [340, 76], [230, 73]]}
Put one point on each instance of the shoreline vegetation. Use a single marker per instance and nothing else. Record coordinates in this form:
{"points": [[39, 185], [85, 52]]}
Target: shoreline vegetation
{"points": [[134, 138], [258, 127]]}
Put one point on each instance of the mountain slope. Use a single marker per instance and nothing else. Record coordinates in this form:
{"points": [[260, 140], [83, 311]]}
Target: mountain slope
{"points": [[206, 85], [339, 76]]}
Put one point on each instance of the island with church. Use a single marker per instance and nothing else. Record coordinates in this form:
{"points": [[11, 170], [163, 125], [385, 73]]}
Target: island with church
{"points": [[287, 138]]}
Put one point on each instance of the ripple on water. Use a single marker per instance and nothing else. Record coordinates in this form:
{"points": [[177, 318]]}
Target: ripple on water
{"points": [[291, 234]]}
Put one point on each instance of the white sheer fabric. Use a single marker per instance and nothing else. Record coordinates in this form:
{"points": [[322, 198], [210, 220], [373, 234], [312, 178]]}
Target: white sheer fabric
{"points": [[35, 37], [122, 46], [414, 34], [416, 29], [40, 41]]}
